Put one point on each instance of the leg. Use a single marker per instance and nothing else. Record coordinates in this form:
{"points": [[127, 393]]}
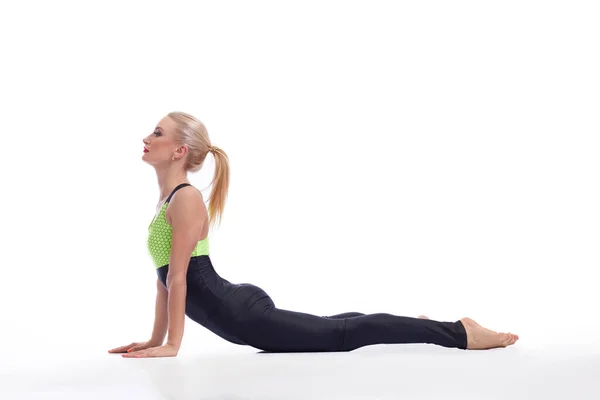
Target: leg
{"points": [[387, 328], [344, 315], [357, 314], [283, 331], [257, 322], [278, 330]]}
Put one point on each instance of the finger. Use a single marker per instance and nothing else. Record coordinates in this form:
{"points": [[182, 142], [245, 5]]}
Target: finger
{"points": [[138, 353], [144, 354], [121, 349], [140, 347]]}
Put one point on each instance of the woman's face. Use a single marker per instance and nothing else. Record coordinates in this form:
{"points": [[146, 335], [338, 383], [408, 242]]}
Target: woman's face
{"points": [[160, 145]]}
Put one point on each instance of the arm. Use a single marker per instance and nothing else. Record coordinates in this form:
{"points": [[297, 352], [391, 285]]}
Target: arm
{"points": [[187, 219], [160, 315]]}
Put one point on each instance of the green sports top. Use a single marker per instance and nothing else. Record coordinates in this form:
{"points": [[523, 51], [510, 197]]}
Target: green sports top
{"points": [[160, 236]]}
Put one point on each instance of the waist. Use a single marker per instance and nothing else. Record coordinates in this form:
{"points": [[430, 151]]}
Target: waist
{"points": [[200, 271]]}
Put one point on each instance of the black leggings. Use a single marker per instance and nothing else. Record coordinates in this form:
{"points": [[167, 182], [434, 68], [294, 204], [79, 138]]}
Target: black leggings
{"points": [[245, 314]]}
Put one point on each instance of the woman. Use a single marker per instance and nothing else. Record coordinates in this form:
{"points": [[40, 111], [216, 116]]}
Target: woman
{"points": [[244, 314]]}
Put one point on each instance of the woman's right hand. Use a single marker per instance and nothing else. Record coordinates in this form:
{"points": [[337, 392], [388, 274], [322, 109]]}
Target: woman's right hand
{"points": [[134, 347]]}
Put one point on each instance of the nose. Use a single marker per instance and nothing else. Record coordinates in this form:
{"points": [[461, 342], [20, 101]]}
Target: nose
{"points": [[145, 140]]}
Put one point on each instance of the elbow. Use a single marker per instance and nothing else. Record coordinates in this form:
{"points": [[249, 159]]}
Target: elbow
{"points": [[175, 281]]}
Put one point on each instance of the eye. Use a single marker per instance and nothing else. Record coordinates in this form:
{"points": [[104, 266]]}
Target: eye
{"points": [[157, 133]]}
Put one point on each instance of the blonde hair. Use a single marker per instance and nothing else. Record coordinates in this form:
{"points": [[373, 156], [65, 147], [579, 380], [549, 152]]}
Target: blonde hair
{"points": [[192, 132]]}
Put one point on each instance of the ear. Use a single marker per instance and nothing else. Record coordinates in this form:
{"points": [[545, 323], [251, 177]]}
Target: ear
{"points": [[182, 150]]}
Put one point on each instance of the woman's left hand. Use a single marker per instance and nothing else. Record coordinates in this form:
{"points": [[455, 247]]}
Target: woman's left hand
{"points": [[166, 350]]}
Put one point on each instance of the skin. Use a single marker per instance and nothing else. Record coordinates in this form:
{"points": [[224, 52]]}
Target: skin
{"points": [[480, 338], [188, 217]]}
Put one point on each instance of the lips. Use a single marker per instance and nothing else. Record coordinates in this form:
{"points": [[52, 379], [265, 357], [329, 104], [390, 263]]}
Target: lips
{"points": [[146, 150]]}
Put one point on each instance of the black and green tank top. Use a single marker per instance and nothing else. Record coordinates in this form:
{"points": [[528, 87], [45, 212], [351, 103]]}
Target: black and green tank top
{"points": [[160, 235]]}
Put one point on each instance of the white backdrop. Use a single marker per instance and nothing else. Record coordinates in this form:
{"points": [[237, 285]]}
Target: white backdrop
{"points": [[435, 158]]}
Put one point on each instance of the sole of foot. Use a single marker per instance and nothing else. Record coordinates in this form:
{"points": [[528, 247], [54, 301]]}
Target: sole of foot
{"points": [[480, 338]]}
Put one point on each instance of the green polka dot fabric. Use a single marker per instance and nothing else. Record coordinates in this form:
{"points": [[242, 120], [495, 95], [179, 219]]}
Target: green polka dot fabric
{"points": [[159, 240]]}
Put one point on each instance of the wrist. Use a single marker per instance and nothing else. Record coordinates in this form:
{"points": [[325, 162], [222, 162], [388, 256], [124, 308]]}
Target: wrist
{"points": [[156, 341], [173, 344]]}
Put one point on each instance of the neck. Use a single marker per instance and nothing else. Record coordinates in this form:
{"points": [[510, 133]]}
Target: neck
{"points": [[169, 178]]}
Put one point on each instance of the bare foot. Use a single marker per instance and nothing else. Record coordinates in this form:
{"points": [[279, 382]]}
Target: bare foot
{"points": [[480, 338], [423, 317]]}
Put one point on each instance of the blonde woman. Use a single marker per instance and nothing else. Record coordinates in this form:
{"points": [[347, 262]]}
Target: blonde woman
{"points": [[242, 313]]}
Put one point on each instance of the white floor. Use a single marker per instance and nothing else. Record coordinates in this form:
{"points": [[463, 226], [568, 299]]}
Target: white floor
{"points": [[373, 372]]}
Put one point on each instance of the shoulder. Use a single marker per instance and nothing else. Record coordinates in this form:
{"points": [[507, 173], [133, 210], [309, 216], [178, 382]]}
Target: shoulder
{"points": [[186, 195], [186, 202]]}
